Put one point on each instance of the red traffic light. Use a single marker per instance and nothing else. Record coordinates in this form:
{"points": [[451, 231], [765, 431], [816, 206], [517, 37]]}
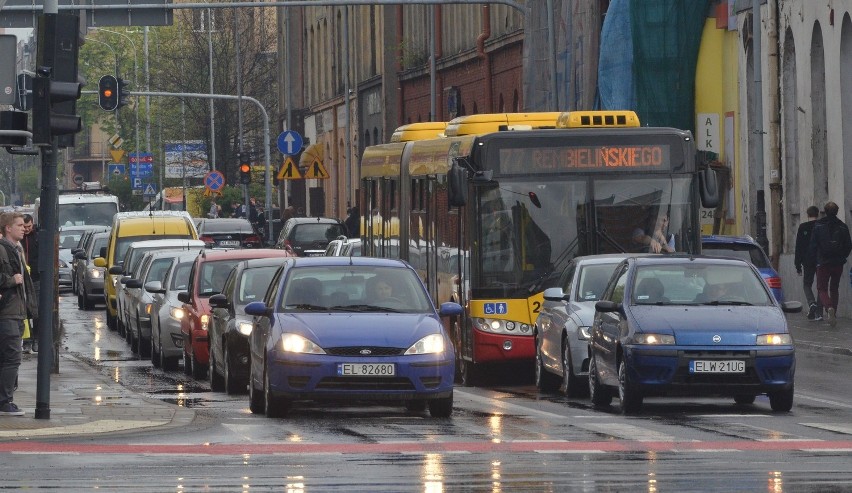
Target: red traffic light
{"points": [[245, 168]]}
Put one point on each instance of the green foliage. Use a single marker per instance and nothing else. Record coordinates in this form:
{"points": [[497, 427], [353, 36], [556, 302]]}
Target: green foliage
{"points": [[28, 184]]}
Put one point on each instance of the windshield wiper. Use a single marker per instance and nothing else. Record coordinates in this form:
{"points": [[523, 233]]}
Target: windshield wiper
{"points": [[306, 306], [367, 308], [727, 302]]}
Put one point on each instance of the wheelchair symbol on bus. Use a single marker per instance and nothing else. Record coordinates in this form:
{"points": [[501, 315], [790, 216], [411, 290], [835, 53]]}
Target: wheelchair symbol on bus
{"points": [[496, 308]]}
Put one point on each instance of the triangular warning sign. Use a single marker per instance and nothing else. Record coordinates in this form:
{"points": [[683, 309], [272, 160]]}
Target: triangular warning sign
{"points": [[316, 171], [289, 170], [117, 155]]}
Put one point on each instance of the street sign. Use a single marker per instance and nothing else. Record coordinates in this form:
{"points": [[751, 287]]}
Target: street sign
{"points": [[78, 179], [136, 183], [289, 170], [150, 189], [140, 157], [115, 169], [117, 155], [316, 171], [214, 181], [116, 141], [142, 170], [289, 142]]}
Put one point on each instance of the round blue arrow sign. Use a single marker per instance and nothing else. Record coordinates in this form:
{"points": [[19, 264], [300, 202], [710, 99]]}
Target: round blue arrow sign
{"points": [[289, 142]]}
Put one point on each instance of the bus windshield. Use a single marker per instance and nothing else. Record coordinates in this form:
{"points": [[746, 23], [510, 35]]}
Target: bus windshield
{"points": [[530, 230], [86, 213]]}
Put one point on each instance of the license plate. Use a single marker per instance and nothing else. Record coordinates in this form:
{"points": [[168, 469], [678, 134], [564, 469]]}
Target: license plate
{"points": [[229, 243], [717, 366], [314, 254], [366, 369]]}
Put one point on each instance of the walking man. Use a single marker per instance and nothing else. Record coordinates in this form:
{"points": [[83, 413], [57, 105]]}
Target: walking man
{"points": [[17, 303], [830, 245], [805, 264]]}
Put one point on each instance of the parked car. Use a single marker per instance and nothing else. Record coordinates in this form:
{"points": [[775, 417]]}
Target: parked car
{"points": [[85, 239], [696, 326], [228, 233], [128, 269], [563, 327], [746, 248], [69, 238], [207, 277], [90, 279], [167, 312], [309, 236], [344, 247], [353, 328], [230, 326]]}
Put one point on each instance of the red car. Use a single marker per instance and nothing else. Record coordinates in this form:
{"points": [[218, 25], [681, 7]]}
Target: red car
{"points": [[206, 278]]}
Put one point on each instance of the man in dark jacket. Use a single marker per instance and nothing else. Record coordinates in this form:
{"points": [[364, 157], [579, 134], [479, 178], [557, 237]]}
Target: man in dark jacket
{"points": [[17, 303], [830, 245], [805, 264], [30, 245]]}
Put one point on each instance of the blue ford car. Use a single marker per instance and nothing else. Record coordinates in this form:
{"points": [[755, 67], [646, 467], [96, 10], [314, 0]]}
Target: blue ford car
{"points": [[696, 326], [746, 248], [349, 328]]}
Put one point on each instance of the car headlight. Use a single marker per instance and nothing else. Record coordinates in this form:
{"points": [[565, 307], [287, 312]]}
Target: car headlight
{"points": [[774, 340], [653, 339], [431, 344], [497, 326], [294, 343], [62, 264], [176, 313], [95, 273], [244, 328], [205, 322], [148, 307], [114, 280], [584, 332]]}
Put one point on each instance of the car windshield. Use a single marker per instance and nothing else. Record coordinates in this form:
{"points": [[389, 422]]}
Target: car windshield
{"points": [[749, 253], [69, 239], [593, 280], [354, 289], [213, 276], [253, 284], [180, 276], [307, 233], [698, 283]]}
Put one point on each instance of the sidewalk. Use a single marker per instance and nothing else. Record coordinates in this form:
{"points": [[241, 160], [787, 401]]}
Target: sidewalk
{"points": [[84, 403]]}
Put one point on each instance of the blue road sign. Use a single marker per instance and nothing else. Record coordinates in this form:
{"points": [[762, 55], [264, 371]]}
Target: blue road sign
{"points": [[150, 189], [115, 169], [496, 308], [214, 180], [289, 142], [136, 183], [141, 169]]}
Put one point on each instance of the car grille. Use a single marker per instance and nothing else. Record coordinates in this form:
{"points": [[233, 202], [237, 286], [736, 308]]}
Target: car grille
{"points": [[365, 383], [360, 351]]}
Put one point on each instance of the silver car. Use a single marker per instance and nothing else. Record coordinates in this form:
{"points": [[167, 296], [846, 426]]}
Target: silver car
{"points": [[562, 330], [166, 312]]}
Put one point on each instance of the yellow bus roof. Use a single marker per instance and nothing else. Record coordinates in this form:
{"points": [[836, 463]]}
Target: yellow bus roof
{"points": [[492, 122], [595, 119], [418, 131], [382, 160]]}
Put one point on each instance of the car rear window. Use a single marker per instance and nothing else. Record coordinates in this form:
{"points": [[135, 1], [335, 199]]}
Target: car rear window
{"points": [[750, 253], [305, 233]]}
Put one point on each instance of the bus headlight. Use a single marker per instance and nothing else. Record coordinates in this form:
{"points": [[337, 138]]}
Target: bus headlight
{"points": [[496, 326]]}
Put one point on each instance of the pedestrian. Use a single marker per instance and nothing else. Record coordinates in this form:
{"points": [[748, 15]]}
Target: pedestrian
{"points": [[805, 264], [830, 245], [213, 213], [261, 220], [30, 244], [353, 222], [252, 212], [17, 302]]}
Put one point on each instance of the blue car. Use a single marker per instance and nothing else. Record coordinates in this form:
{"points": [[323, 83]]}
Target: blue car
{"points": [[695, 326], [353, 329], [746, 248]]}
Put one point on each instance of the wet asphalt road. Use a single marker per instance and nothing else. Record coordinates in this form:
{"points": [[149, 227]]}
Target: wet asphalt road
{"points": [[504, 436]]}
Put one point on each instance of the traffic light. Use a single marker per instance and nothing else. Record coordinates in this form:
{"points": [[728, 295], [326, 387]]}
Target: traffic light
{"points": [[47, 94], [245, 169], [122, 93], [108, 93]]}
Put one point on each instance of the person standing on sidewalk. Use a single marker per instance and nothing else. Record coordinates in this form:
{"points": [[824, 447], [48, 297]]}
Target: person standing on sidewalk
{"points": [[805, 264], [30, 244], [830, 245], [17, 302]]}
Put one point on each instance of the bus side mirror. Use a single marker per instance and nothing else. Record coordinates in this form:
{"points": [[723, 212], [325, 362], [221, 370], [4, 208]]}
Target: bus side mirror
{"points": [[457, 186], [708, 184]]}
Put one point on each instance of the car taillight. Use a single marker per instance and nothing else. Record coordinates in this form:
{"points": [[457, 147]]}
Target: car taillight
{"points": [[207, 240], [774, 282], [252, 239]]}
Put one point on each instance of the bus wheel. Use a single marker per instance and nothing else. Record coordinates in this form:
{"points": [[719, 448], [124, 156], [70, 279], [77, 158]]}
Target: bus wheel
{"points": [[470, 373]]}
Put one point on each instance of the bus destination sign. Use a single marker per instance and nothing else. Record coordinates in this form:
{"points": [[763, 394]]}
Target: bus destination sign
{"points": [[522, 161]]}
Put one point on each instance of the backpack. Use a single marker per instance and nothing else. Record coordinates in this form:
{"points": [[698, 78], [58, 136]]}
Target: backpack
{"points": [[834, 244]]}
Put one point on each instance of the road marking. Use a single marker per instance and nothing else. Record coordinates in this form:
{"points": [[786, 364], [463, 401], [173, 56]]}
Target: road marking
{"points": [[627, 432], [823, 401], [839, 428], [507, 406]]}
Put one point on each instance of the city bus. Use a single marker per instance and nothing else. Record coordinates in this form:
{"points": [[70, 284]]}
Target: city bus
{"points": [[492, 210]]}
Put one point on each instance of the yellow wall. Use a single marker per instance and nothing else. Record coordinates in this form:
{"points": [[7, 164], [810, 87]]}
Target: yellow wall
{"points": [[716, 92]]}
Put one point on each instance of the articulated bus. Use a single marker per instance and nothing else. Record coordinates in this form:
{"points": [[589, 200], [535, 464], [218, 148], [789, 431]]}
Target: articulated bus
{"points": [[491, 209]]}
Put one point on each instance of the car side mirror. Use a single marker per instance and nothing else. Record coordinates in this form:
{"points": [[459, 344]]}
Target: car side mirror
{"points": [[450, 309], [258, 309], [99, 262], [133, 283], [554, 294], [219, 301], [116, 270], [607, 306], [80, 255], [791, 306], [183, 297], [155, 287]]}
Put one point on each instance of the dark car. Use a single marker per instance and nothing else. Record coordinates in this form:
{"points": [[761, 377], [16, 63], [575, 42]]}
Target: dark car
{"points": [[230, 326], [746, 248], [309, 236], [349, 328], [90, 279], [228, 233], [694, 326]]}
